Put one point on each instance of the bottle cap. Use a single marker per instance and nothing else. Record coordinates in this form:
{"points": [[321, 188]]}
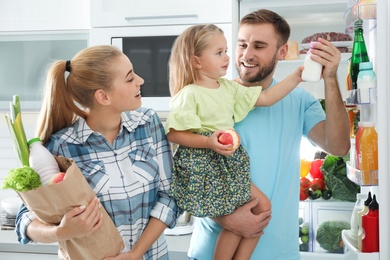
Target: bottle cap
{"points": [[368, 200], [359, 23], [374, 204], [361, 196], [365, 65], [312, 45], [33, 140], [366, 124]]}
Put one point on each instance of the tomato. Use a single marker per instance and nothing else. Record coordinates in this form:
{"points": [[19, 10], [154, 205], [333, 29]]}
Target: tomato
{"points": [[315, 171], [317, 184], [305, 183], [304, 194]]}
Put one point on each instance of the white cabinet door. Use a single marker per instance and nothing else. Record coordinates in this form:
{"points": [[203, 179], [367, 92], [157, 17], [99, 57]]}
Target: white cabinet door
{"points": [[111, 13], [26, 15]]}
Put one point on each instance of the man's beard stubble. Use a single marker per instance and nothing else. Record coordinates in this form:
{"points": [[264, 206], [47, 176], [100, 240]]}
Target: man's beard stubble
{"points": [[263, 72]]}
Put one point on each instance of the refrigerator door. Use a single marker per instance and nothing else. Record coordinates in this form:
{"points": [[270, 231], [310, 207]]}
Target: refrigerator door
{"points": [[383, 68]]}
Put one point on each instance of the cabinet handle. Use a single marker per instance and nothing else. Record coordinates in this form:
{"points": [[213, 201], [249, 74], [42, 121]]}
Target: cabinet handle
{"points": [[128, 18]]}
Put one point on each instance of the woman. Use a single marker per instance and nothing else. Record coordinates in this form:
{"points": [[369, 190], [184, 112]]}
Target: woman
{"points": [[93, 116]]}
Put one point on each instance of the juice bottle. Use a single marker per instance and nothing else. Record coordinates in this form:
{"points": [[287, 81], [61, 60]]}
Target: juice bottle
{"points": [[357, 146], [368, 156]]}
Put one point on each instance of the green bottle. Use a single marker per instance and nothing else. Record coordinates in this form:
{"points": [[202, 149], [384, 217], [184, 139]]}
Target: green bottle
{"points": [[359, 52]]}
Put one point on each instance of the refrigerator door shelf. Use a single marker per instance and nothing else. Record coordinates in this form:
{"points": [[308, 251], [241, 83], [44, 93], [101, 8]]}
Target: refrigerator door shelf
{"points": [[352, 253], [322, 256]]}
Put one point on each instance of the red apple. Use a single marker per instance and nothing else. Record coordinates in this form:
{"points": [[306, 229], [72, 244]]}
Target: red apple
{"points": [[57, 178], [230, 137]]}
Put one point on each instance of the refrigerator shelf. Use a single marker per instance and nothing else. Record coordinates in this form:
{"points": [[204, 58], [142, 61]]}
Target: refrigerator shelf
{"points": [[359, 12], [362, 96], [351, 252], [362, 178]]}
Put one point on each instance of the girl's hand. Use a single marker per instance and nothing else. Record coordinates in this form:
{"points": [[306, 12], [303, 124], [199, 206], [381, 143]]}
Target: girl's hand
{"points": [[81, 221], [213, 144]]}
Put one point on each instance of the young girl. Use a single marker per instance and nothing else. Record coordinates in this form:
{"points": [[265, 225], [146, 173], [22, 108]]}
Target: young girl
{"points": [[210, 179]]}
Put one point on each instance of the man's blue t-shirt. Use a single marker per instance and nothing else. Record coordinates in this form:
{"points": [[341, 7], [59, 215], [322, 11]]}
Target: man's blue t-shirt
{"points": [[272, 137]]}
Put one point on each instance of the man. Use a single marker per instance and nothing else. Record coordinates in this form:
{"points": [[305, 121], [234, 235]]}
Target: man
{"points": [[272, 137]]}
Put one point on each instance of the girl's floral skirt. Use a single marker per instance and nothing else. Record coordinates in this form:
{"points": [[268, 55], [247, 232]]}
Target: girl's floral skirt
{"points": [[208, 184]]}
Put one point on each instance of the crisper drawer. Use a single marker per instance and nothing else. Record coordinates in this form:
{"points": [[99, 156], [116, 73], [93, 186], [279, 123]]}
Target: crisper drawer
{"points": [[329, 216], [108, 13]]}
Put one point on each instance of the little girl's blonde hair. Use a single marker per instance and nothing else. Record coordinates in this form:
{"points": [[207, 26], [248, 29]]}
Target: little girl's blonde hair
{"points": [[192, 42]]}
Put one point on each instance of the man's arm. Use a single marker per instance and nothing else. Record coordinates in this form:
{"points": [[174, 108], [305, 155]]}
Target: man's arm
{"points": [[332, 135]]}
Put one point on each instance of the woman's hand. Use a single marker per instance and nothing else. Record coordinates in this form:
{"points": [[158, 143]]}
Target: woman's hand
{"points": [[125, 256], [81, 221]]}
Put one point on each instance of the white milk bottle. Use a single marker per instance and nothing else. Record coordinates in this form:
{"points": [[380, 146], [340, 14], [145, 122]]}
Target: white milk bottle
{"points": [[312, 70], [360, 197], [42, 161]]}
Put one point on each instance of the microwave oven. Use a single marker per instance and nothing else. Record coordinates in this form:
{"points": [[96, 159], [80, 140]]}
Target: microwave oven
{"points": [[149, 48]]}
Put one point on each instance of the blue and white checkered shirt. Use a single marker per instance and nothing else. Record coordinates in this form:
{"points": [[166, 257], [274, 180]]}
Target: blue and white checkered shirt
{"points": [[131, 177]]}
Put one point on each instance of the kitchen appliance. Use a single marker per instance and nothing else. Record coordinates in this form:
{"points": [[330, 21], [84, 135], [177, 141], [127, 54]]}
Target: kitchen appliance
{"points": [[146, 30], [306, 18], [149, 48]]}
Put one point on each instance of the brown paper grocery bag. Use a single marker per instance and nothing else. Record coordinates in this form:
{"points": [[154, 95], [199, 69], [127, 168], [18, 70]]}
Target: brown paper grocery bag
{"points": [[51, 202]]}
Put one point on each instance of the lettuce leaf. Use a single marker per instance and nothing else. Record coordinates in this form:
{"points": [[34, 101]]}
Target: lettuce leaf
{"points": [[336, 179], [22, 179]]}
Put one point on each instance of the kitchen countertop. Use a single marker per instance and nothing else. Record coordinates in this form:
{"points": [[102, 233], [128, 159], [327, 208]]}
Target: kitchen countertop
{"points": [[178, 246]]}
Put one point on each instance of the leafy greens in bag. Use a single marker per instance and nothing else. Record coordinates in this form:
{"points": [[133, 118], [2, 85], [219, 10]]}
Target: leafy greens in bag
{"points": [[329, 235]]}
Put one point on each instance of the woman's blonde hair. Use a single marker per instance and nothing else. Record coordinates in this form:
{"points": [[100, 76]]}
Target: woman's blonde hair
{"points": [[192, 42], [66, 97]]}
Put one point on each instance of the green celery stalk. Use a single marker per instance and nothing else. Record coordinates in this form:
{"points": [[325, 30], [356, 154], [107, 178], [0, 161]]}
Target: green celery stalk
{"points": [[16, 129]]}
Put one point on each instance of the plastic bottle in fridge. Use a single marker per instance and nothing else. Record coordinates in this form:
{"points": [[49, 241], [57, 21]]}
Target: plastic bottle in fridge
{"points": [[357, 146], [359, 205], [359, 220], [368, 154], [370, 224], [365, 82], [312, 70], [42, 161]]}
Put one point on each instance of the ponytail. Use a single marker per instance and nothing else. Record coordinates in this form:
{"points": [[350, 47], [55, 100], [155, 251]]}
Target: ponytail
{"points": [[66, 98]]}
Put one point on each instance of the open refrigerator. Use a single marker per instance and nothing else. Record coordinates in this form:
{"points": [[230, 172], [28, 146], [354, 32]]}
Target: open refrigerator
{"points": [[305, 18]]}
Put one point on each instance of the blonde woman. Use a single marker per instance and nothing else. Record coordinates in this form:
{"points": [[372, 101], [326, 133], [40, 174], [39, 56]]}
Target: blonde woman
{"points": [[91, 114]]}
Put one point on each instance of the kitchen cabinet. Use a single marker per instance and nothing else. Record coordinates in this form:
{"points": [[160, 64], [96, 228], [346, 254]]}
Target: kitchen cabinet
{"points": [[108, 13], [39, 15]]}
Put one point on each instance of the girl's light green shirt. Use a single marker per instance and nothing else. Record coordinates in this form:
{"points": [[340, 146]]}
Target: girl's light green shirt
{"points": [[199, 109]]}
